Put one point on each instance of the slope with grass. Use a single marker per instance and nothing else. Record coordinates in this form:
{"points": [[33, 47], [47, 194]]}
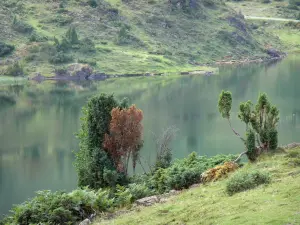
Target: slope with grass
{"points": [[118, 37], [273, 203], [278, 18]]}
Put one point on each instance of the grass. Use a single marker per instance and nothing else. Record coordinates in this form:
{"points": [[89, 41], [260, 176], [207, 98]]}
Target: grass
{"points": [[162, 39], [277, 9], [276, 203], [286, 33]]}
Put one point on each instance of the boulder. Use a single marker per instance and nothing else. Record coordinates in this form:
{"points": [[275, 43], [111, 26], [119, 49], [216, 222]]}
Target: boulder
{"points": [[274, 53], [85, 222], [81, 71], [148, 201]]}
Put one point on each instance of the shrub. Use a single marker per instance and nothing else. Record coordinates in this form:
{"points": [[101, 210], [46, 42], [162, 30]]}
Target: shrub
{"points": [[35, 37], [92, 3], [139, 191], [87, 46], [16, 69], [123, 197], [293, 154], [294, 2], [5, 49], [72, 36], [60, 57], [91, 62], [244, 180], [185, 172], [21, 26], [218, 172], [60, 207]]}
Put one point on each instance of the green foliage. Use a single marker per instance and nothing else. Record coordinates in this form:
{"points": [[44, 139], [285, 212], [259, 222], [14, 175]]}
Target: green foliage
{"points": [[293, 157], [94, 166], [60, 207], [72, 36], [261, 123], [35, 37], [294, 2], [124, 34], [123, 197], [225, 104], [243, 180], [16, 69], [183, 173], [245, 112], [5, 49], [93, 3], [60, 57], [21, 26], [139, 191], [87, 46], [250, 144]]}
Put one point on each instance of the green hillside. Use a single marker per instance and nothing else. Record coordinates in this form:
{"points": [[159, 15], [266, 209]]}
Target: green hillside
{"points": [[124, 36], [276, 203]]}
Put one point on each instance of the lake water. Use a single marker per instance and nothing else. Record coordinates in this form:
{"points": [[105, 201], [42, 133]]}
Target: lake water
{"points": [[37, 132]]}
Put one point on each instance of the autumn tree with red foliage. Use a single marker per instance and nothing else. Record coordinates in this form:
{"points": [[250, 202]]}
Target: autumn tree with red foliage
{"points": [[125, 137]]}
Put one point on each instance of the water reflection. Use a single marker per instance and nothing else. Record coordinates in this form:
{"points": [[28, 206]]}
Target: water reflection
{"points": [[37, 129]]}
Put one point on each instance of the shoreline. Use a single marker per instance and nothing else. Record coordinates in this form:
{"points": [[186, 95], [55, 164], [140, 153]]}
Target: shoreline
{"points": [[87, 75]]}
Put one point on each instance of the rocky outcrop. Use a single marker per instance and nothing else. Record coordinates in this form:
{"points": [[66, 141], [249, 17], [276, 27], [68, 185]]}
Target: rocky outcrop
{"points": [[148, 201], [274, 53]]}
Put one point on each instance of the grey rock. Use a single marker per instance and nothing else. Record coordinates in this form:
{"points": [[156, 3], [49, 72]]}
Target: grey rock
{"points": [[85, 222]]}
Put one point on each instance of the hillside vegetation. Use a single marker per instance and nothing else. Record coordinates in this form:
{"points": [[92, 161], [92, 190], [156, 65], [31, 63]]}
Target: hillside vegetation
{"points": [[117, 37], [276, 203], [288, 32]]}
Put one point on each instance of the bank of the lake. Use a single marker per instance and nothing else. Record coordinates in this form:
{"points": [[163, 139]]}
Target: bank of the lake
{"points": [[38, 126]]}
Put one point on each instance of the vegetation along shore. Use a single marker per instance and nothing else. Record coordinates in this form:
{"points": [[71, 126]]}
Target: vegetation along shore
{"points": [[65, 46]]}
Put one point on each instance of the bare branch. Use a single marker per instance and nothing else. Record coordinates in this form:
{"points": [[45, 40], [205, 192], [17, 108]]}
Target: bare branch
{"points": [[240, 156], [236, 133]]}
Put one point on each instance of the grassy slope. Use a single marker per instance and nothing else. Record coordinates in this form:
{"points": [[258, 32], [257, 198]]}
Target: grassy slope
{"points": [[165, 40], [288, 33], [276, 203]]}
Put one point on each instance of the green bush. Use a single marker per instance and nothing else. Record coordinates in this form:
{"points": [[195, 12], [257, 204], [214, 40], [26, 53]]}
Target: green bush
{"points": [[21, 26], [139, 191], [87, 46], [60, 207], [16, 69], [185, 172], [293, 154], [244, 180], [92, 3], [35, 37], [60, 57], [5, 49], [294, 2], [91, 62]]}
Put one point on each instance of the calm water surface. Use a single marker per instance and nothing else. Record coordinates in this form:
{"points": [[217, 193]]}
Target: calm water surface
{"points": [[37, 132]]}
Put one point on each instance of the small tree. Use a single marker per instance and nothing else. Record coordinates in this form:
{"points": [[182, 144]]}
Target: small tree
{"points": [[125, 137], [72, 36], [163, 149], [261, 123]]}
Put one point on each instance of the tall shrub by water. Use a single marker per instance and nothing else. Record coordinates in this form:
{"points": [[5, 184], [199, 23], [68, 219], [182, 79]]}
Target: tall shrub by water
{"points": [[261, 123], [95, 167]]}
